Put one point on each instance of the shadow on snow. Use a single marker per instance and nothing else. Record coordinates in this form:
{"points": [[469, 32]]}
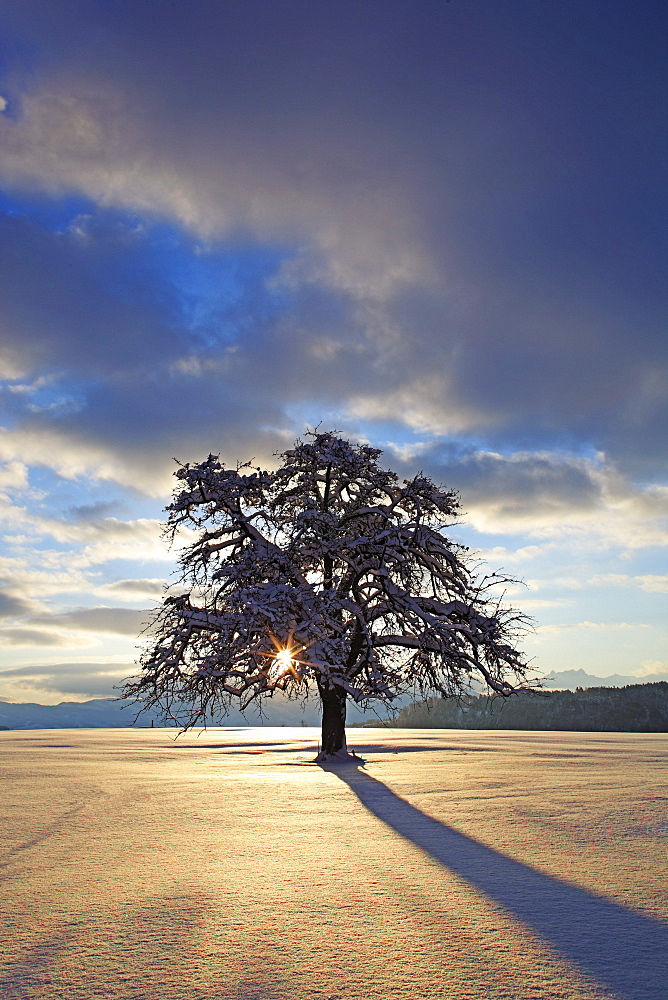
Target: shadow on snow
{"points": [[307, 744], [625, 950]]}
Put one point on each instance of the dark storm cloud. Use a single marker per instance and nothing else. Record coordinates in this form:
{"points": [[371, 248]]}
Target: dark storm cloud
{"points": [[466, 198]]}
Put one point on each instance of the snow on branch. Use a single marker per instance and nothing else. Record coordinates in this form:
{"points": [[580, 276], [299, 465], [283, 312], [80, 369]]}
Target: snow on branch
{"points": [[326, 572]]}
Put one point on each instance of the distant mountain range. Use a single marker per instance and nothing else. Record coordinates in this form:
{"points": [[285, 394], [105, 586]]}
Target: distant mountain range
{"points": [[108, 713], [569, 680]]}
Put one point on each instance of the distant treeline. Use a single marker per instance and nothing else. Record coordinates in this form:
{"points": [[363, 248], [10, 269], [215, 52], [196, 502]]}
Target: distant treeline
{"points": [[638, 708]]}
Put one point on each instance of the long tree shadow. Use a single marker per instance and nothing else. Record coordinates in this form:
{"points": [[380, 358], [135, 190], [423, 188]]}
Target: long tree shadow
{"points": [[625, 950]]}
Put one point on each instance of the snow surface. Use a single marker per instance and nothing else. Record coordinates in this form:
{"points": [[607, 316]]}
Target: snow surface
{"points": [[228, 865]]}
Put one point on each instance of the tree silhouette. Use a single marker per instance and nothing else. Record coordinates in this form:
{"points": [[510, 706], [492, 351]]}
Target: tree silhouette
{"points": [[326, 573]]}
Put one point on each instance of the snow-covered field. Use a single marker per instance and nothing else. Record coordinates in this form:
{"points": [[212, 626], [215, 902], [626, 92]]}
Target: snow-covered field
{"points": [[454, 864]]}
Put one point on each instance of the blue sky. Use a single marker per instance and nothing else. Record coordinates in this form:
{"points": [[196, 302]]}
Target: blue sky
{"points": [[439, 227]]}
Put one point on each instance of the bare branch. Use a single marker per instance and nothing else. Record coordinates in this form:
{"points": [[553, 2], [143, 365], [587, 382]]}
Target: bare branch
{"points": [[333, 561]]}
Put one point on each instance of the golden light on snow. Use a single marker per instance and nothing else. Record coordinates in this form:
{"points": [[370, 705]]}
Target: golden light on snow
{"points": [[458, 863]]}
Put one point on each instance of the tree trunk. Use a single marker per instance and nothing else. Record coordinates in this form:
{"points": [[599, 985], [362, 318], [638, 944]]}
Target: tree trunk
{"points": [[333, 720]]}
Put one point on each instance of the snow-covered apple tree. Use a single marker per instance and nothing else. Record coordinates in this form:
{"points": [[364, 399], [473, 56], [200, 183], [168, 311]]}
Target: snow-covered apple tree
{"points": [[327, 574]]}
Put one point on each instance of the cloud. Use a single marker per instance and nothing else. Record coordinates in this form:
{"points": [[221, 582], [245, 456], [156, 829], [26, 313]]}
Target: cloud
{"points": [[37, 637], [421, 274], [231, 220], [654, 583], [13, 477], [120, 621], [61, 628], [51, 557], [589, 626], [14, 607], [70, 669], [135, 589], [44, 573], [650, 583], [74, 680], [530, 604], [93, 512], [35, 624], [652, 668], [550, 495], [99, 540]]}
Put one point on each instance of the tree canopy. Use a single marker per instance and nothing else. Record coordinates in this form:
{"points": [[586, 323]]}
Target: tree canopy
{"points": [[326, 573]]}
